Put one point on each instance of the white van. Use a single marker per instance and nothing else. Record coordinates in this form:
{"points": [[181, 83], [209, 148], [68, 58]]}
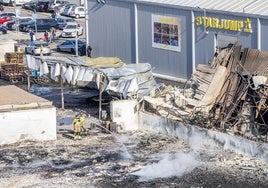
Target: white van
{"points": [[77, 12]]}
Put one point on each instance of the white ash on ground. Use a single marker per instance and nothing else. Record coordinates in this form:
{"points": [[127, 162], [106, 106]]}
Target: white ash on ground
{"points": [[128, 159]]}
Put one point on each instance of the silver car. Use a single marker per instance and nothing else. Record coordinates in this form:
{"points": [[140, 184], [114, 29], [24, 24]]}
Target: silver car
{"points": [[34, 48]]}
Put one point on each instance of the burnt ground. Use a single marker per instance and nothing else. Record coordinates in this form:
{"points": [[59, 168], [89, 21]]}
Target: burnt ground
{"points": [[125, 159]]}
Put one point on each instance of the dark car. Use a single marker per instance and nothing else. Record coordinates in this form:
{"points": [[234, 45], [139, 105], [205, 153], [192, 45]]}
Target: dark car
{"points": [[11, 14], [62, 22], [29, 5], [42, 24], [69, 46], [42, 6], [3, 30]]}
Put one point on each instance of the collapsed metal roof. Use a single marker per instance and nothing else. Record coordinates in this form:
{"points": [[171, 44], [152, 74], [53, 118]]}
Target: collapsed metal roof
{"points": [[257, 7], [230, 95]]}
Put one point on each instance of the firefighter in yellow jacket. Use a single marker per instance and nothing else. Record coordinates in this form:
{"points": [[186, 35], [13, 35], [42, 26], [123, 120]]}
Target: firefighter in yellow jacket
{"points": [[79, 126], [82, 123]]}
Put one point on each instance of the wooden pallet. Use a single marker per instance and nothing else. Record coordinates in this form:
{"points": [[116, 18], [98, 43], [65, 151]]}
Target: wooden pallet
{"points": [[12, 78], [14, 57]]}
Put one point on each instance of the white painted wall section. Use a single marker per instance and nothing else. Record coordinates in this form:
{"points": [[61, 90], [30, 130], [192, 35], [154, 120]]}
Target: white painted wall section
{"points": [[124, 113], [33, 124], [198, 137], [6, 45]]}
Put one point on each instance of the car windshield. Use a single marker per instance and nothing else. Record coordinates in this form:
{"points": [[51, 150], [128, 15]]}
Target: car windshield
{"points": [[70, 20], [38, 44], [70, 27]]}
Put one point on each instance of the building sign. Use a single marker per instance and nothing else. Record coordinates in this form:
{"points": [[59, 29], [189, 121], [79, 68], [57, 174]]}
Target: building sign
{"points": [[224, 24], [166, 32]]}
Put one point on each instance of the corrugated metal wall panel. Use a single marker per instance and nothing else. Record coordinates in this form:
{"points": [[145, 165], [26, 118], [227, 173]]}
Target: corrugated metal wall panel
{"points": [[240, 6], [111, 30], [264, 31], [164, 61], [112, 33]]}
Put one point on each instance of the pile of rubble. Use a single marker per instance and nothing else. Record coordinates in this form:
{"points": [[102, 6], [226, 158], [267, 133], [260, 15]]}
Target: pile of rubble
{"points": [[228, 95]]}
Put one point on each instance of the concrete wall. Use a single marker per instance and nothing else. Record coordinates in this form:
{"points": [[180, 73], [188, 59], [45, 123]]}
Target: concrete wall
{"points": [[124, 113], [198, 137], [34, 124]]}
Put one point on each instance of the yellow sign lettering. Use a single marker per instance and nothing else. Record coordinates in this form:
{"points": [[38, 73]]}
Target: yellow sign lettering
{"points": [[225, 24], [198, 21], [239, 25], [233, 25], [215, 22]]}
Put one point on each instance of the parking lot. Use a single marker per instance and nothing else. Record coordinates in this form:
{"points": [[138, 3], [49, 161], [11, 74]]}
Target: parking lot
{"points": [[23, 37]]}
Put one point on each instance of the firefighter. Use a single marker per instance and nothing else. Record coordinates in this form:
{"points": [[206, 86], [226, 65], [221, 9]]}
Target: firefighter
{"points": [[82, 123], [77, 128]]}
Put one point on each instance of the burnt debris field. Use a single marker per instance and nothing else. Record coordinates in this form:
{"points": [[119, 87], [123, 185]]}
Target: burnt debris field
{"points": [[128, 159]]}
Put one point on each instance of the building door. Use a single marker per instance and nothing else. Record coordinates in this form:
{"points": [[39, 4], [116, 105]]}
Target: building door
{"points": [[223, 41]]}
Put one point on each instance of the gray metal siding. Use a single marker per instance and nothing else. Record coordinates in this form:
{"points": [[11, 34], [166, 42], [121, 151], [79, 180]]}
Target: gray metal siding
{"points": [[111, 30], [264, 31], [171, 63], [255, 7], [112, 33], [205, 42], [204, 46]]}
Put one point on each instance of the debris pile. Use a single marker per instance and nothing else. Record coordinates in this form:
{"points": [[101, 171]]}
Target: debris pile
{"points": [[229, 95], [108, 74], [13, 68]]}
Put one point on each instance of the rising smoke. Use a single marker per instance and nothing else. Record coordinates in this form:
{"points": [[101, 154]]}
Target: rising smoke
{"points": [[175, 164]]}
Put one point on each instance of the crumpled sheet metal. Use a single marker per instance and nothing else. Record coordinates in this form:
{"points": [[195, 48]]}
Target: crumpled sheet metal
{"points": [[130, 81]]}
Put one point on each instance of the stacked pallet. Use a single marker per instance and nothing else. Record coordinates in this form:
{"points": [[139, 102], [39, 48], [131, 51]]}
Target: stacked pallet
{"points": [[14, 57], [13, 68]]}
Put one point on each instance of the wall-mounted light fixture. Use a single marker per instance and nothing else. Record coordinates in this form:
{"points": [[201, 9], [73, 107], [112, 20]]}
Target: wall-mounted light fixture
{"points": [[205, 15], [205, 24], [101, 1]]}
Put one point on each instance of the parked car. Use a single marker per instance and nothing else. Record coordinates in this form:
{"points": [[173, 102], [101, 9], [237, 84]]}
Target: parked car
{"points": [[71, 30], [29, 5], [11, 25], [69, 46], [62, 22], [67, 9], [42, 24], [13, 2], [61, 10], [5, 19], [34, 48], [3, 30], [77, 12], [42, 6], [11, 14], [54, 4]]}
